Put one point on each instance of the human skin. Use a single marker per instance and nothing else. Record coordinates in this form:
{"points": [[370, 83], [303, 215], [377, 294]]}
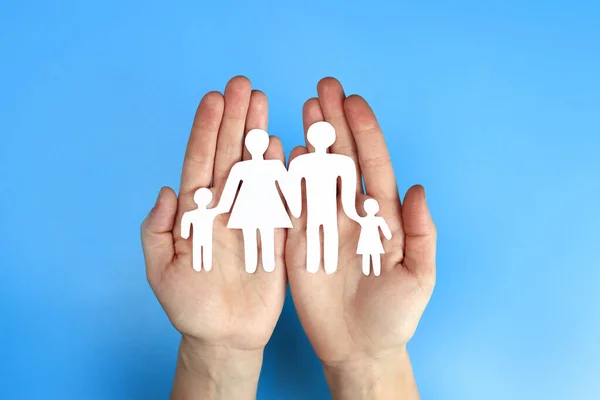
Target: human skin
{"points": [[225, 316], [358, 325]]}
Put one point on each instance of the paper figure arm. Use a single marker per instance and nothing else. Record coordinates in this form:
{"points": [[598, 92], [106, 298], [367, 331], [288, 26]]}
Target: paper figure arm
{"points": [[186, 223], [292, 189], [348, 175], [385, 229], [229, 191], [282, 179]]}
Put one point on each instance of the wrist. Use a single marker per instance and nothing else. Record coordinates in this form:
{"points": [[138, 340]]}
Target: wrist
{"points": [[215, 372], [386, 376]]}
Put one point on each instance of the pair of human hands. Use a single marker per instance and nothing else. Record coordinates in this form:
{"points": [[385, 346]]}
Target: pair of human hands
{"points": [[358, 325]]}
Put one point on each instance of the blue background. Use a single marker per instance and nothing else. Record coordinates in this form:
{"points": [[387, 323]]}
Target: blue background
{"points": [[494, 106]]}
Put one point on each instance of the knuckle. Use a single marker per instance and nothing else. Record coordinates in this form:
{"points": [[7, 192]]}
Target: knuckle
{"points": [[375, 162], [367, 130], [199, 159]]}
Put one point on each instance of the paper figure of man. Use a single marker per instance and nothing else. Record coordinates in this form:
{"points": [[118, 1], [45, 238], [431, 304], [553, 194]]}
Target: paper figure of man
{"points": [[321, 170]]}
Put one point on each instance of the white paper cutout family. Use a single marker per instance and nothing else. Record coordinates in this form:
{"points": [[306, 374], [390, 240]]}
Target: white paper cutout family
{"points": [[259, 206]]}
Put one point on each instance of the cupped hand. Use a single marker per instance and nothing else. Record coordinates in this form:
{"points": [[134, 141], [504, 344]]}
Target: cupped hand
{"points": [[348, 317], [225, 308]]}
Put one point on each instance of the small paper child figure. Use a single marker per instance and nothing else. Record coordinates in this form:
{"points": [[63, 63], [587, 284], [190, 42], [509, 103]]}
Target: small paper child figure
{"points": [[369, 242], [202, 220]]}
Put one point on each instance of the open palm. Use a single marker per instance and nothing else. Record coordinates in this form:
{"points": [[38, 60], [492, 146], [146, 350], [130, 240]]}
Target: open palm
{"points": [[348, 316], [226, 306]]}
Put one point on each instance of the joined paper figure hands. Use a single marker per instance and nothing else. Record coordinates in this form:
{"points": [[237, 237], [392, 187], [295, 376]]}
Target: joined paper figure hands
{"points": [[258, 207]]}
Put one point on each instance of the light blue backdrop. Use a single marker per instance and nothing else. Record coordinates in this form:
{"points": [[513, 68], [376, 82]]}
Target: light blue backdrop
{"points": [[494, 106]]}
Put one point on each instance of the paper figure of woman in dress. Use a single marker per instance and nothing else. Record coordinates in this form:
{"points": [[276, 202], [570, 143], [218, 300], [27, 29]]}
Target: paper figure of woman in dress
{"points": [[201, 219], [369, 242], [258, 205]]}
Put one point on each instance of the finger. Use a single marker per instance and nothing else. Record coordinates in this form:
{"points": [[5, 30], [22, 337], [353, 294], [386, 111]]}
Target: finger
{"points": [[258, 116], [275, 150], [331, 100], [420, 234], [373, 155], [200, 153], [311, 113], [229, 142], [156, 232], [297, 151], [299, 224]]}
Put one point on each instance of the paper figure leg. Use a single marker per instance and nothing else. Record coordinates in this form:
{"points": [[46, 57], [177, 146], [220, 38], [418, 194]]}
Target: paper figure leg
{"points": [[313, 248], [330, 247], [250, 249], [376, 264], [267, 240], [366, 264], [197, 256], [207, 256]]}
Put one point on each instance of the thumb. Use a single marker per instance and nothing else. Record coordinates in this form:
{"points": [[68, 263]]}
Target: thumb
{"points": [[420, 234], [156, 231]]}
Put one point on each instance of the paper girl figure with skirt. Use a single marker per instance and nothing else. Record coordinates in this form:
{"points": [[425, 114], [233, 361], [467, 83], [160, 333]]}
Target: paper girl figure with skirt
{"points": [[258, 205], [369, 242]]}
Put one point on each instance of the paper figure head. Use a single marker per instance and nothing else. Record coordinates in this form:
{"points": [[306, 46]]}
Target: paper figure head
{"points": [[202, 197], [257, 142], [371, 206], [321, 135]]}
